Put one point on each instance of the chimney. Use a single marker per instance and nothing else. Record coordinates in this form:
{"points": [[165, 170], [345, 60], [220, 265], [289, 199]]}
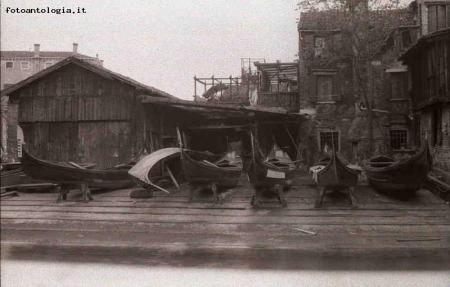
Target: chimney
{"points": [[75, 48], [36, 50]]}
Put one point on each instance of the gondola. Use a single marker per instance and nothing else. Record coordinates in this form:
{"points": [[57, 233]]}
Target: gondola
{"points": [[336, 175], [275, 172], [204, 169], [71, 174], [399, 178]]}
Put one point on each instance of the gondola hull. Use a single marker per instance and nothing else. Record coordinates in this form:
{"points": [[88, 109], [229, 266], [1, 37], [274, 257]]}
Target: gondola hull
{"points": [[198, 172], [61, 173], [261, 175], [336, 174], [400, 178]]}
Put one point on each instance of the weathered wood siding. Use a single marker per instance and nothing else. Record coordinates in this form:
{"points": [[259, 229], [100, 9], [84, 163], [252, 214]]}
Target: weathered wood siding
{"points": [[76, 115], [282, 99], [75, 94], [430, 73]]}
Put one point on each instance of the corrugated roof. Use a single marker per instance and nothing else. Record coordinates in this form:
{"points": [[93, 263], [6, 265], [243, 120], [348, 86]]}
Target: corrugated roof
{"points": [[42, 54], [88, 66]]}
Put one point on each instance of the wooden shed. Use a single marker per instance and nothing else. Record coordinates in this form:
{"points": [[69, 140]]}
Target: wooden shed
{"points": [[75, 111]]}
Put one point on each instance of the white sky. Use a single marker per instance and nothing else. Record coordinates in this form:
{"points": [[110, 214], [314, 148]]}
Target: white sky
{"points": [[161, 43]]}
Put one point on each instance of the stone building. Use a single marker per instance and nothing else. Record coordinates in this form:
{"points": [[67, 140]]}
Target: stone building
{"points": [[333, 100]]}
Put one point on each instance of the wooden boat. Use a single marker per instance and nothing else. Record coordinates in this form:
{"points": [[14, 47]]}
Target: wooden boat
{"points": [[272, 172], [400, 178], [205, 169], [336, 175], [74, 175]]}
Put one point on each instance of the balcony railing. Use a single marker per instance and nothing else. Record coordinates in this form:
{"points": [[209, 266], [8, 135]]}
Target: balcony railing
{"points": [[282, 99]]}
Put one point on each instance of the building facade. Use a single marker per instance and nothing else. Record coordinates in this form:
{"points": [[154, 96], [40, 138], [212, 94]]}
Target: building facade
{"points": [[19, 65], [335, 95]]}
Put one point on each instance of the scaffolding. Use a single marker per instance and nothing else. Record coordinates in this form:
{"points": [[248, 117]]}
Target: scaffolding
{"points": [[215, 85], [248, 63], [229, 89]]}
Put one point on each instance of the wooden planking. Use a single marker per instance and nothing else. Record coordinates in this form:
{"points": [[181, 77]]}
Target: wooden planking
{"points": [[231, 212], [172, 227], [295, 241], [209, 205], [343, 201], [335, 220], [221, 228]]}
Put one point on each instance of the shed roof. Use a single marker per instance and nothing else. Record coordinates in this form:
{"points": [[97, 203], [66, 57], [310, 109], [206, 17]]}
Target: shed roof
{"points": [[88, 66], [220, 110]]}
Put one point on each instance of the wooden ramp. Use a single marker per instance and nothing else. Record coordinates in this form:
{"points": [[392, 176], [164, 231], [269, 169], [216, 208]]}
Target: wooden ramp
{"points": [[383, 233]]}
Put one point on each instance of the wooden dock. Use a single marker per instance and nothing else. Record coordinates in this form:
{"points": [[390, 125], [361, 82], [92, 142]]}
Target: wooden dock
{"points": [[382, 234]]}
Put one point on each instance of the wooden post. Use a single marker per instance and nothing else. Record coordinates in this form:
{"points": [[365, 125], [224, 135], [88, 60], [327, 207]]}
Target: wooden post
{"points": [[171, 176], [352, 198], [213, 187], [280, 194], [319, 199], [195, 88], [192, 190]]}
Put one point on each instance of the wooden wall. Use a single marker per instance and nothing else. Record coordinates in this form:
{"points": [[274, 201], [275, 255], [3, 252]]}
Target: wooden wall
{"points": [[430, 72], [76, 115]]}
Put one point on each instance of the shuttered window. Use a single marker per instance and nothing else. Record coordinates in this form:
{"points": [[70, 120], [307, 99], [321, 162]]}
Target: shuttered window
{"points": [[319, 46], [398, 85], [438, 17], [324, 87]]}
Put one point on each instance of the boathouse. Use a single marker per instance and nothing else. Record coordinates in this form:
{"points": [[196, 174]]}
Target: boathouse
{"points": [[77, 111]]}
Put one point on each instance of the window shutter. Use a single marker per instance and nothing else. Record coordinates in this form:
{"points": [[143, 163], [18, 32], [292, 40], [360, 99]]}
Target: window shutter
{"points": [[313, 88], [337, 41], [309, 42], [448, 15], [432, 23], [387, 85], [336, 87]]}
